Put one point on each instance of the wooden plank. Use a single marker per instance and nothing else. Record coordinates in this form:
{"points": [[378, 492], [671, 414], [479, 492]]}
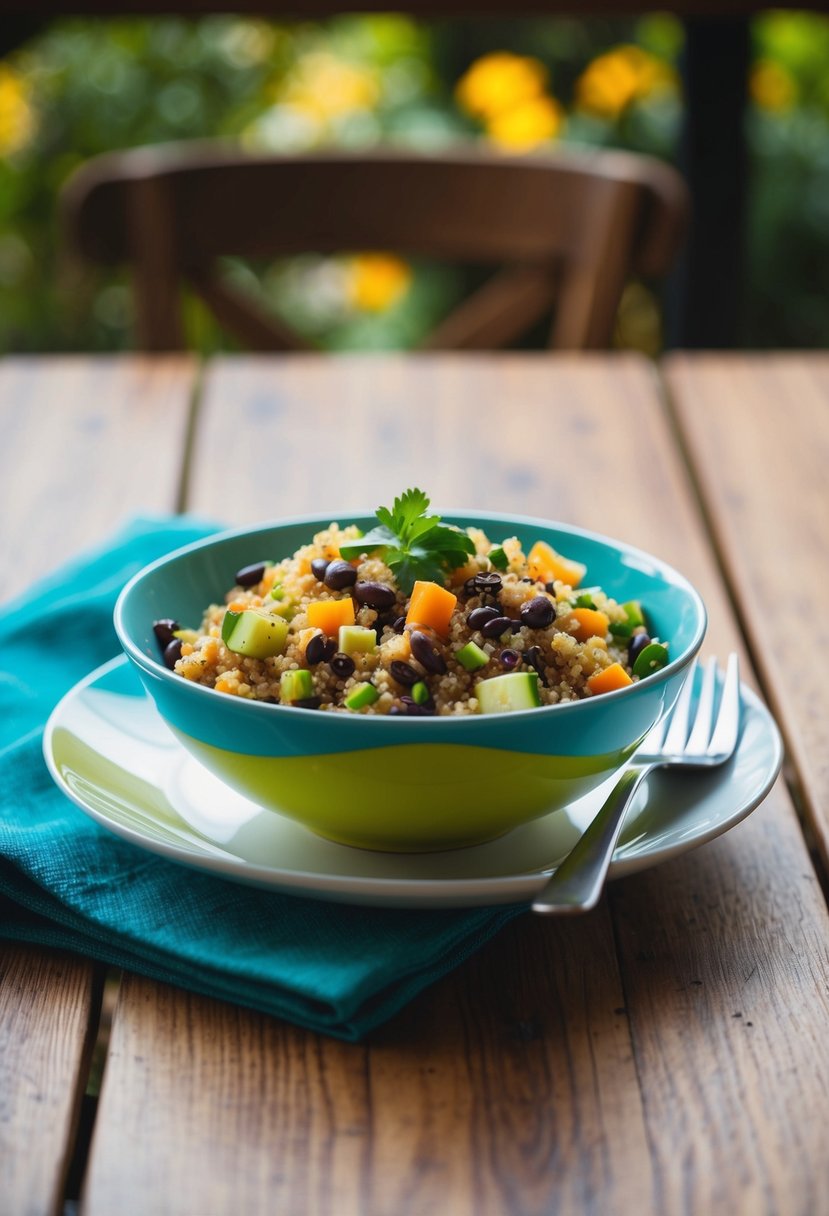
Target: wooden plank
{"points": [[487, 1087], [80, 450], [571, 1066], [48, 1016], [757, 429], [86, 443]]}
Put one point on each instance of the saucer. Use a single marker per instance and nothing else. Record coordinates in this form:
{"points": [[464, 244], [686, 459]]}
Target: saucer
{"points": [[109, 750]]}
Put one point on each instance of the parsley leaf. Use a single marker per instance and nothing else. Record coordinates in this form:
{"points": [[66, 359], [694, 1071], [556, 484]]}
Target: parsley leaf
{"points": [[412, 543]]}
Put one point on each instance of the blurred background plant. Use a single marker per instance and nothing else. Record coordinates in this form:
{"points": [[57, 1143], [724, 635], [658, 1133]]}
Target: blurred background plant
{"points": [[83, 87]]}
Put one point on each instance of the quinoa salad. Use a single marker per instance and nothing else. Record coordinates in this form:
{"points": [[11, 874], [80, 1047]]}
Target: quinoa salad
{"points": [[414, 617]]}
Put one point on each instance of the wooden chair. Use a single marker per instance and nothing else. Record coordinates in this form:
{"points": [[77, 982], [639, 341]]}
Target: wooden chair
{"points": [[565, 229]]}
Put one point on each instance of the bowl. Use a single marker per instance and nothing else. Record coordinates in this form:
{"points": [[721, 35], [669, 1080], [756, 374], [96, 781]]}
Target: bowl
{"points": [[398, 783]]}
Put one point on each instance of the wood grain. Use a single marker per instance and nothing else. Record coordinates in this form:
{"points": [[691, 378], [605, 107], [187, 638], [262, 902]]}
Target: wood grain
{"points": [[80, 450], [758, 434], [593, 1066], [48, 1015], [479, 1096], [86, 443]]}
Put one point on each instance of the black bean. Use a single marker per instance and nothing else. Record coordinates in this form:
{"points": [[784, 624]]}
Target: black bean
{"points": [[270, 700], [533, 657], [164, 630], [538, 613], [489, 583], [510, 659], [340, 574], [636, 645], [249, 576], [469, 588], [403, 673], [426, 651], [315, 650], [413, 710], [399, 624], [396, 709], [551, 587], [308, 703], [172, 653], [375, 595], [342, 665], [384, 620], [528, 580], [478, 617], [496, 626], [517, 626], [318, 568]]}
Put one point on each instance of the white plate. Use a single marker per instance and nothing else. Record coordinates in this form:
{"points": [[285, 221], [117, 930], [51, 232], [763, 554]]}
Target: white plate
{"points": [[109, 750]]}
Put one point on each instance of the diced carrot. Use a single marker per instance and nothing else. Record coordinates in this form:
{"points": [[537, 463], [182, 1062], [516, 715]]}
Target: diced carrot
{"points": [[611, 678], [432, 605], [546, 565], [591, 623], [328, 615]]}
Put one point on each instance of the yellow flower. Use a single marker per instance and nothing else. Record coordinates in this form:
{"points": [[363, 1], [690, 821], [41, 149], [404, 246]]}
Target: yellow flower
{"points": [[500, 82], [376, 281], [17, 120], [771, 86], [526, 126], [615, 80], [327, 87]]}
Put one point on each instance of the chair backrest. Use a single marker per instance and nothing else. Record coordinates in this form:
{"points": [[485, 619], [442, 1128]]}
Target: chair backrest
{"points": [[565, 229]]}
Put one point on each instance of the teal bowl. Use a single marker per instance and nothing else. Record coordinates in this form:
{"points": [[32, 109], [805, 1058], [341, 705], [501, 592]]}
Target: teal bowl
{"points": [[399, 783]]}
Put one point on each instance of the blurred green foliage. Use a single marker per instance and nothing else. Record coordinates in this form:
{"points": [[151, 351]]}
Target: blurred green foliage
{"points": [[84, 87]]}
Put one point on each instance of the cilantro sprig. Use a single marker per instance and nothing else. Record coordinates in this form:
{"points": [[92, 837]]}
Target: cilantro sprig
{"points": [[412, 543]]}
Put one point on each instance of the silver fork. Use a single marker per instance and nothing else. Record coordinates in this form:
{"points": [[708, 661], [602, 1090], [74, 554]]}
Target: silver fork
{"points": [[675, 741]]}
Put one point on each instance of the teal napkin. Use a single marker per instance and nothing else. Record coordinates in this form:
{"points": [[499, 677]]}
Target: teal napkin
{"points": [[67, 882]]}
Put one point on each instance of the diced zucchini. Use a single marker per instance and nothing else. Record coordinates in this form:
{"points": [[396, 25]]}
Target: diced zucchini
{"points": [[584, 600], [296, 685], [621, 629], [257, 635], [502, 694], [472, 657], [361, 696], [635, 615], [420, 693], [356, 639], [651, 658], [498, 558], [283, 608]]}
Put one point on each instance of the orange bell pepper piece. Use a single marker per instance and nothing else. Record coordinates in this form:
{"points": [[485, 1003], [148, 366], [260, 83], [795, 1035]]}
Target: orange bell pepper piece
{"points": [[431, 605], [609, 679], [591, 623], [546, 565], [328, 615]]}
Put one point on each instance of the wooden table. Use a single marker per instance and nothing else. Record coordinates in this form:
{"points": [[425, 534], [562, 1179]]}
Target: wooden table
{"points": [[667, 1053]]}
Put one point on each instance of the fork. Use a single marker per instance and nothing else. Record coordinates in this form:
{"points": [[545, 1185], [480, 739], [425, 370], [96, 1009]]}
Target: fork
{"points": [[577, 883]]}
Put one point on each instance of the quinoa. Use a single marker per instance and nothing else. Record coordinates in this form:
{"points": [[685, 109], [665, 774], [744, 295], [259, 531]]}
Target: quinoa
{"points": [[564, 653]]}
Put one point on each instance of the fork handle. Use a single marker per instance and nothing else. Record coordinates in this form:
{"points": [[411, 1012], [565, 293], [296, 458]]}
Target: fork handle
{"points": [[577, 883]]}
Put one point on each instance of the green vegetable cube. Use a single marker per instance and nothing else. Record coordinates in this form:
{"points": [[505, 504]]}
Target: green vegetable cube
{"points": [[296, 685], [420, 693], [472, 657], [356, 639], [361, 696]]}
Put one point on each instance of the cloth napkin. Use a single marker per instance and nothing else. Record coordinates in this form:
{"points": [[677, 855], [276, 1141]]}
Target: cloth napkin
{"points": [[67, 882]]}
